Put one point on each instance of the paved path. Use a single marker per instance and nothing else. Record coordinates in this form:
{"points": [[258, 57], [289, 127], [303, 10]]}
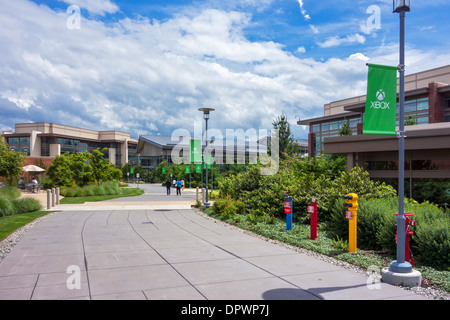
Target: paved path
{"points": [[167, 253]]}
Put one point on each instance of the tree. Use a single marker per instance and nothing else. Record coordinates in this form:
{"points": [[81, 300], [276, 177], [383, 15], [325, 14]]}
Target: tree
{"points": [[410, 120], [59, 171], [345, 130], [100, 165], [79, 165], [10, 161], [286, 141]]}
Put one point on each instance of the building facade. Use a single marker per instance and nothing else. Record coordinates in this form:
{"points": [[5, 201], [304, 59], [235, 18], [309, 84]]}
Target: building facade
{"points": [[427, 142], [152, 150], [44, 141]]}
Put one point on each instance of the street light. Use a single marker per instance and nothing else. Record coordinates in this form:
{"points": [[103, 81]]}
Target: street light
{"points": [[400, 265], [401, 5], [206, 112]]}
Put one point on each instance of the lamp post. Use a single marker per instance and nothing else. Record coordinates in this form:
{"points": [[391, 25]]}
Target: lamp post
{"points": [[400, 265], [206, 112]]}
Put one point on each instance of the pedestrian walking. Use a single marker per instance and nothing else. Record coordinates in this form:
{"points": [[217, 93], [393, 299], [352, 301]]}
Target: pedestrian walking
{"points": [[178, 185], [168, 184]]}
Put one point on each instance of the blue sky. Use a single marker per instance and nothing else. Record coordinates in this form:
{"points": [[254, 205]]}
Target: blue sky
{"points": [[145, 67]]}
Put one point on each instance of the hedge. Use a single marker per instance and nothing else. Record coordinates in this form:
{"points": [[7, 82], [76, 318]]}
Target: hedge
{"points": [[107, 188]]}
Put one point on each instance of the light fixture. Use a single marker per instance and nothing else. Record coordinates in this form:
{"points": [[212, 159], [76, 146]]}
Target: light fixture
{"points": [[401, 5], [206, 112]]}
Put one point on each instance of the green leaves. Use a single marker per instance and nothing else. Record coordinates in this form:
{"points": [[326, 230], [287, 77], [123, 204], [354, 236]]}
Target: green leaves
{"points": [[324, 178], [10, 161], [81, 169]]}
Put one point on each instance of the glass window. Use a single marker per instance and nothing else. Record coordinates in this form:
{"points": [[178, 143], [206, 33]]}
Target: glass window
{"points": [[45, 151], [334, 125], [13, 140], [447, 109], [353, 122], [326, 126], [422, 104], [410, 107], [48, 140], [422, 120], [315, 127]]}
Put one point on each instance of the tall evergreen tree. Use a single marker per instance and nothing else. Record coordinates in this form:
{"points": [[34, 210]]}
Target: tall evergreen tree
{"points": [[286, 140]]}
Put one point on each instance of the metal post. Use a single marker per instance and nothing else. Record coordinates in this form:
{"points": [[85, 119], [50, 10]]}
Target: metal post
{"points": [[203, 195], [400, 266], [289, 211], [312, 209], [206, 153]]}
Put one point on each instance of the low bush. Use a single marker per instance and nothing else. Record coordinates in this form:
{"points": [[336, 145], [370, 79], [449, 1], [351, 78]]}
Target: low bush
{"points": [[107, 188], [377, 229], [26, 205], [262, 195], [227, 207], [9, 192], [6, 207], [9, 207]]}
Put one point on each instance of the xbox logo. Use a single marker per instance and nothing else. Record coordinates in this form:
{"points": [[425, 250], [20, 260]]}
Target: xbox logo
{"points": [[380, 94]]}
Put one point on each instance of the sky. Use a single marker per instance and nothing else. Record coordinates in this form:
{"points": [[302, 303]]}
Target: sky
{"points": [[146, 67]]}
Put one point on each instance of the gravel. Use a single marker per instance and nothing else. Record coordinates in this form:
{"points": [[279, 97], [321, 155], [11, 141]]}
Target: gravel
{"points": [[8, 243]]}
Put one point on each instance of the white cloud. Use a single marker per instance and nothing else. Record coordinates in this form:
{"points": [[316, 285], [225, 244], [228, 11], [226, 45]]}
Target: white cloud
{"points": [[304, 14], [147, 76], [337, 41], [314, 29], [99, 7]]}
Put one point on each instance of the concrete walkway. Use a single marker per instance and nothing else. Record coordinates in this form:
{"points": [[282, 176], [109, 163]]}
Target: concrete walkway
{"points": [[165, 252]]}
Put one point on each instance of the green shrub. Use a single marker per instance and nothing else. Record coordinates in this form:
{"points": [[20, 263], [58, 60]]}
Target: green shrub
{"points": [[9, 192], [377, 229], [6, 207], [263, 194], [228, 207], [431, 243], [26, 205], [17, 206], [107, 188]]}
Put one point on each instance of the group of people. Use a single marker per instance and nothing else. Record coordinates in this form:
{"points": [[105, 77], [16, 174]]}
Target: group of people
{"points": [[21, 183], [179, 184]]}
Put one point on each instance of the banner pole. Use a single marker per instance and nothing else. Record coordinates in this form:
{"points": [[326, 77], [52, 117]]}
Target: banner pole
{"points": [[400, 265]]}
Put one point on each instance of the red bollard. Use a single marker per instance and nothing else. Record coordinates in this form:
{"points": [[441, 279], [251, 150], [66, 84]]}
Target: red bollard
{"points": [[312, 209], [408, 223]]}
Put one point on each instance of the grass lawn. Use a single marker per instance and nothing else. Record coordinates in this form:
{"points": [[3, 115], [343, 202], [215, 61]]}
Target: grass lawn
{"points": [[9, 224], [124, 192]]}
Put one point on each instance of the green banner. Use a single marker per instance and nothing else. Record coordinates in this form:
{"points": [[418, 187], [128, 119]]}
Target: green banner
{"points": [[188, 169], [381, 99], [196, 151], [198, 168], [163, 170]]}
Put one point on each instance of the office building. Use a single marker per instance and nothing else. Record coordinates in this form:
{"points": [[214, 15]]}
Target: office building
{"points": [[427, 142], [43, 141]]}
